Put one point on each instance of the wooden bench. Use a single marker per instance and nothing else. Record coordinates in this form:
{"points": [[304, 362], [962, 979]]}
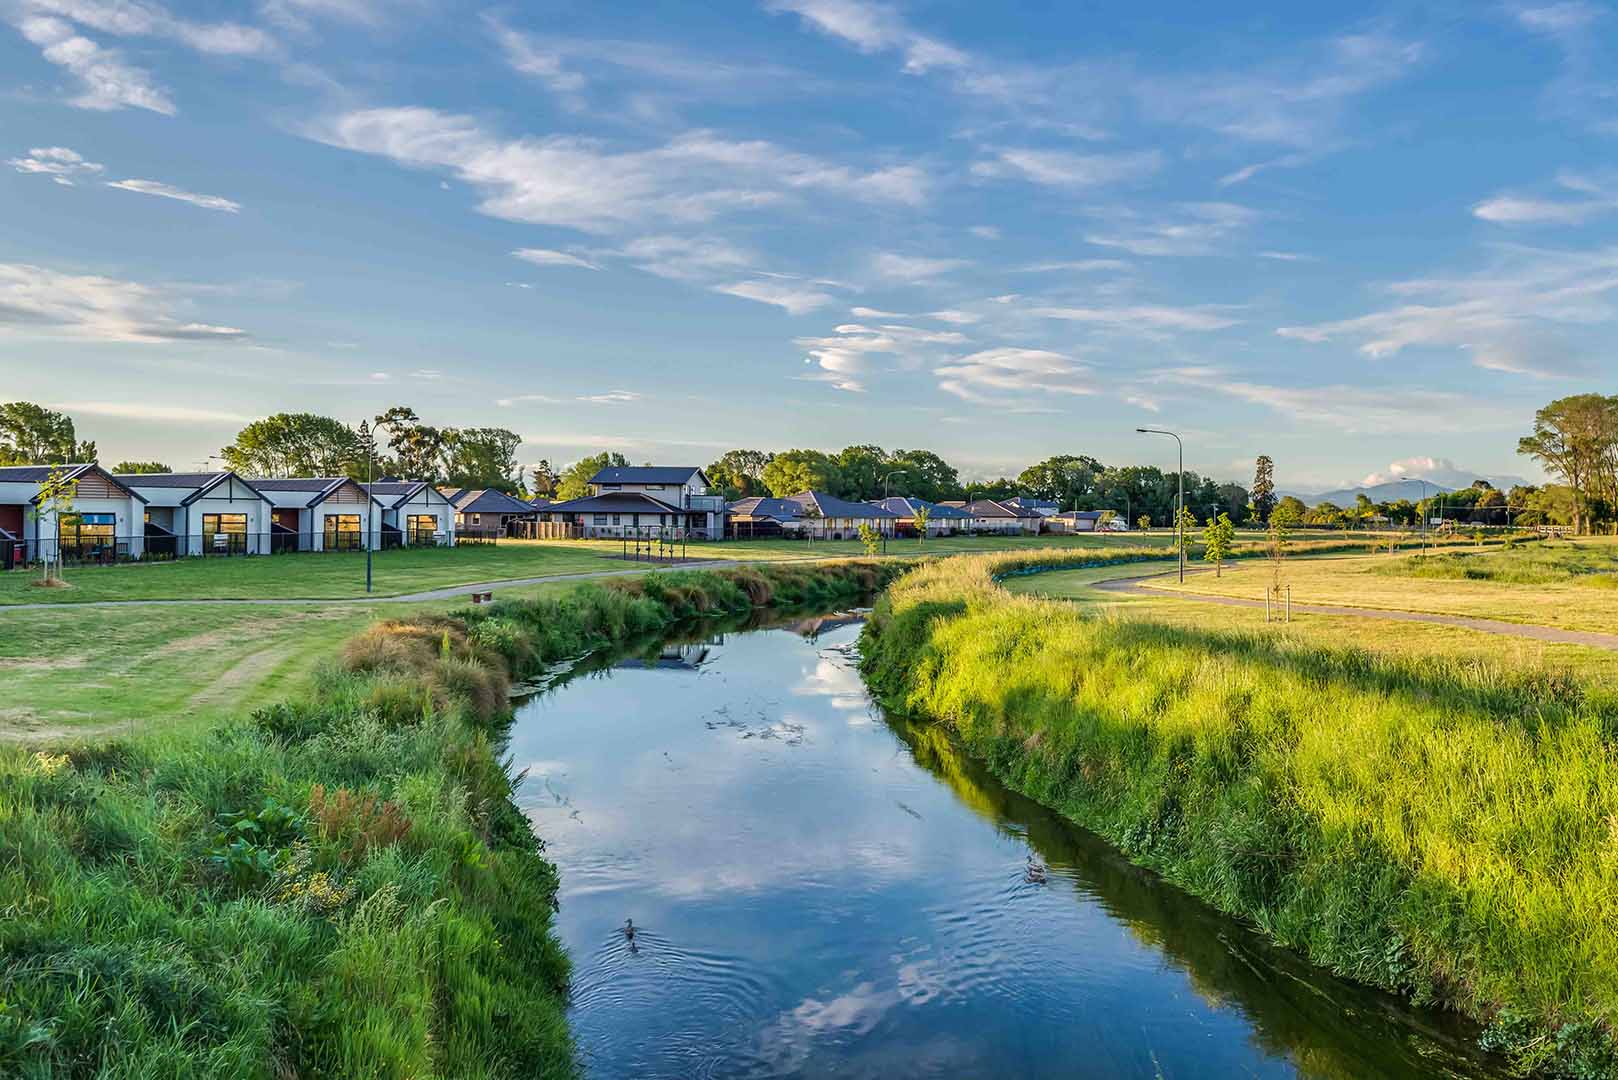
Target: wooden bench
{"points": [[482, 597]]}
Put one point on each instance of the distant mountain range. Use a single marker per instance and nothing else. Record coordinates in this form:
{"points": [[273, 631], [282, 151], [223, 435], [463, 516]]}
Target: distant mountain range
{"points": [[1389, 492]]}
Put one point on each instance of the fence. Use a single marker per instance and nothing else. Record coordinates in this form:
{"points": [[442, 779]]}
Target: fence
{"points": [[166, 547]]}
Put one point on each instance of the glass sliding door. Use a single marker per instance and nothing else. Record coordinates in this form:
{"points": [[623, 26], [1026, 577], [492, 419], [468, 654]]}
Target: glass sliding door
{"points": [[421, 529], [344, 533], [224, 534]]}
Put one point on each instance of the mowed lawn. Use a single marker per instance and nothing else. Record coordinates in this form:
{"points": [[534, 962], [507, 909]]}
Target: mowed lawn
{"points": [[341, 575], [1576, 602]]}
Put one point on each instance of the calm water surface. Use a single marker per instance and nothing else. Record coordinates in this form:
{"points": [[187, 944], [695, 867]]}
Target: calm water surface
{"points": [[823, 891]]}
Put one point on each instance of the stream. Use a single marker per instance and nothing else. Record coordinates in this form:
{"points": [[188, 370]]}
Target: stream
{"points": [[821, 890]]}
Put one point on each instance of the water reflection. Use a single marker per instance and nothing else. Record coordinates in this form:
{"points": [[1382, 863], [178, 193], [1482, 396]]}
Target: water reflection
{"points": [[819, 891]]}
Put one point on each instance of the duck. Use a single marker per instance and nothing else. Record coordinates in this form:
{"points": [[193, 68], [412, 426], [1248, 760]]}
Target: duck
{"points": [[629, 929], [1035, 874]]}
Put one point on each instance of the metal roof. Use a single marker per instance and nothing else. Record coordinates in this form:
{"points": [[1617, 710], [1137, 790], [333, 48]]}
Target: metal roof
{"points": [[646, 474], [614, 502], [487, 501], [905, 506], [833, 507]]}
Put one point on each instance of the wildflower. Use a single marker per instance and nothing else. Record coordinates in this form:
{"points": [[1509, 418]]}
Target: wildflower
{"points": [[46, 764]]}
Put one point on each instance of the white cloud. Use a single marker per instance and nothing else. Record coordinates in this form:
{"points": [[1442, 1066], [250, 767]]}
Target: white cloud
{"points": [[1514, 318], [1196, 229], [794, 299], [984, 232], [144, 18], [57, 162], [875, 313], [611, 397], [528, 399], [129, 410], [548, 257], [106, 81], [955, 318], [843, 358], [1597, 198], [1142, 317], [912, 267], [527, 56], [35, 301], [1436, 470], [874, 28], [580, 183], [1584, 89], [1079, 265], [697, 259], [1286, 256], [1061, 168], [167, 191], [989, 376], [1357, 410]]}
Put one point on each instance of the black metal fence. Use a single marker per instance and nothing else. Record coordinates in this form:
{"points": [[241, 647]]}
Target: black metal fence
{"points": [[166, 547]]}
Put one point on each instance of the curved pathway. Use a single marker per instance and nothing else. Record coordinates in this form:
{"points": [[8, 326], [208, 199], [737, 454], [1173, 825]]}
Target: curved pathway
{"points": [[1137, 586]]}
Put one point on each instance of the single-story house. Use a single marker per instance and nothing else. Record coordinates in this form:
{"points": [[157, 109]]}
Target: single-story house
{"points": [[999, 516], [683, 487], [1077, 521], [211, 513], [414, 514], [1042, 507], [484, 513], [321, 513], [941, 520], [106, 523], [811, 514]]}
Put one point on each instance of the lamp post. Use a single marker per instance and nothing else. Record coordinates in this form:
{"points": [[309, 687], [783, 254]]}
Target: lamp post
{"points": [[370, 458], [1423, 482], [888, 477], [1179, 514]]}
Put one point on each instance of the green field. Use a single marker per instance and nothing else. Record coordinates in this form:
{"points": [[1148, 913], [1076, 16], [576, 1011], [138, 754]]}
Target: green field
{"points": [[1433, 823]]}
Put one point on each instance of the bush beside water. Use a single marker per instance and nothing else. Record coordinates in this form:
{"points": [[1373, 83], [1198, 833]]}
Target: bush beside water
{"points": [[1440, 828], [340, 885]]}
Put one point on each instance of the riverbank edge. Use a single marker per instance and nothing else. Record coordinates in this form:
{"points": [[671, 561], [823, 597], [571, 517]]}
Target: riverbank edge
{"points": [[1054, 717], [340, 884]]}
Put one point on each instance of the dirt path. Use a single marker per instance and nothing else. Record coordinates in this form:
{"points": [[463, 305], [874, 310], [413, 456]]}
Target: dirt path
{"points": [[1139, 586]]}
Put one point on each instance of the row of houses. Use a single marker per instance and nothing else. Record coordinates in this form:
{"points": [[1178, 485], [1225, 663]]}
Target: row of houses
{"points": [[153, 515]]}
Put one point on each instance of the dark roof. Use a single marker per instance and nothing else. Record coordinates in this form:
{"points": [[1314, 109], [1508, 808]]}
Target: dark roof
{"points": [[614, 502], [905, 506], [392, 493], [833, 507], [646, 474], [998, 508], [38, 474], [487, 501], [1028, 502], [169, 479], [760, 507], [296, 483], [539, 503]]}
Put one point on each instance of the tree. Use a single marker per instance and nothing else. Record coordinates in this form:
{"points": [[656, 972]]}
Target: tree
{"points": [[1066, 479], [926, 475], [141, 467], [419, 450], [1576, 439], [1282, 521], [1294, 507], [1217, 539], [1144, 523], [871, 539], [1003, 488], [801, 470], [1325, 515], [575, 482], [1185, 521], [544, 480], [484, 458], [293, 444], [739, 474], [31, 434], [1263, 490], [55, 501], [923, 515], [1234, 498]]}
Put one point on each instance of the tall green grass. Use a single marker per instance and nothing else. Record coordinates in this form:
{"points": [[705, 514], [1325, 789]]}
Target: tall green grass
{"points": [[336, 886], [1548, 563], [1445, 829]]}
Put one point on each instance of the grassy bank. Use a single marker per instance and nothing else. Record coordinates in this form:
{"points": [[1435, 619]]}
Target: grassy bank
{"points": [[337, 885], [1437, 827]]}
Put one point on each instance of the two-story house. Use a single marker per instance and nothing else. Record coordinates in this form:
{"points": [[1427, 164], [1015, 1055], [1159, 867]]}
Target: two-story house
{"points": [[643, 500]]}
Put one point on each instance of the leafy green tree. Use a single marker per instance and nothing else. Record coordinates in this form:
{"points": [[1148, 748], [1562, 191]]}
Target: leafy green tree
{"points": [[1325, 515], [141, 467], [860, 470], [31, 434], [926, 475], [55, 501], [795, 471], [1234, 500], [419, 450], [871, 539], [1263, 490], [1003, 488], [739, 474], [1217, 540], [544, 479], [1067, 479], [1283, 519], [575, 483], [1294, 507], [923, 515], [1576, 439], [1144, 522], [293, 444], [1186, 523], [484, 458]]}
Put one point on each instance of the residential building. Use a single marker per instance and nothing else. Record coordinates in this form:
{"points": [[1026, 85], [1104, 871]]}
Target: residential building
{"points": [[106, 523], [484, 513], [321, 513], [1042, 507], [942, 520], [640, 500], [208, 513], [808, 515], [683, 487], [999, 516], [414, 514], [1078, 521]]}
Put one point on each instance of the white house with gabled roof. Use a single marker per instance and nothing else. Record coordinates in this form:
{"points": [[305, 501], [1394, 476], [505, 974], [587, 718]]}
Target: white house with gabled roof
{"points": [[105, 525]]}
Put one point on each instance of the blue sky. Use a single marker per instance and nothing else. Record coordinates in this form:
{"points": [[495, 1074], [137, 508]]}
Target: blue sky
{"points": [[1355, 240]]}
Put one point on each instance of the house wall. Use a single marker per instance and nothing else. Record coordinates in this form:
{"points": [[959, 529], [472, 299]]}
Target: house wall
{"points": [[424, 502], [40, 531]]}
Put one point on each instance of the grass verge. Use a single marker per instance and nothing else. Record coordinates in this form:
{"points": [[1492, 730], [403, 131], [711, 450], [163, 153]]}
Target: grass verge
{"points": [[1438, 827], [337, 885]]}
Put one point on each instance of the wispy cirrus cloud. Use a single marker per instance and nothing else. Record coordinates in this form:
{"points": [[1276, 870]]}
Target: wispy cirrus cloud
{"points": [[550, 257], [39, 302], [169, 191], [57, 162], [1203, 228], [1065, 169], [795, 299], [1585, 89], [1589, 199], [1142, 317], [844, 357], [912, 268], [991, 376]]}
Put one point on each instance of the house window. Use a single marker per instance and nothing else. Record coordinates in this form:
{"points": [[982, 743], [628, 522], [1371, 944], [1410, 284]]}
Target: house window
{"points": [[599, 519], [86, 534], [343, 533], [476, 519], [616, 519], [224, 534], [420, 528]]}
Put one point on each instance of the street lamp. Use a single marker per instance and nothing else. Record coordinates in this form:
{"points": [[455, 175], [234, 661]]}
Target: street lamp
{"points": [[370, 458], [885, 480], [1423, 482], [1179, 515]]}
